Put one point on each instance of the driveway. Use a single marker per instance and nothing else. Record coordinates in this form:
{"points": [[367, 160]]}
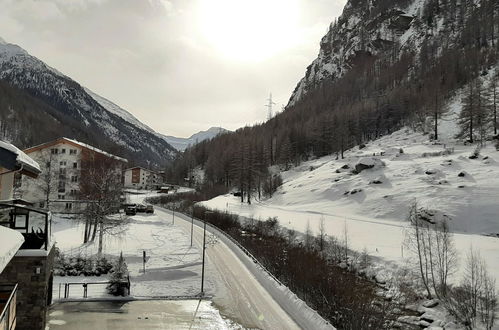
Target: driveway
{"points": [[151, 314]]}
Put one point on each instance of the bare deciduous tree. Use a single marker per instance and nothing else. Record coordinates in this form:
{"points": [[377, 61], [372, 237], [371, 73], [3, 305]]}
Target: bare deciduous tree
{"points": [[431, 241], [475, 300], [322, 233], [101, 188]]}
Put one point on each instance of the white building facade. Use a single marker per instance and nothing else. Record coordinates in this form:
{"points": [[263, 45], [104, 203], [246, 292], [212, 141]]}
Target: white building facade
{"points": [[58, 187], [141, 178]]}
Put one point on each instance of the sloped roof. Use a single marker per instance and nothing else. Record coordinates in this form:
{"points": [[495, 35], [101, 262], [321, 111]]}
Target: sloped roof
{"points": [[18, 160], [75, 143], [11, 242], [142, 168]]}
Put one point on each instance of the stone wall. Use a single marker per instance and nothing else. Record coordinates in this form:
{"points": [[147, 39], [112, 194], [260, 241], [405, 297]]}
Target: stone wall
{"points": [[32, 294]]}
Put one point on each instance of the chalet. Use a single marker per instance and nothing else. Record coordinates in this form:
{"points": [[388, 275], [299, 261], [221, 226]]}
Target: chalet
{"points": [[27, 250], [64, 163], [141, 178]]}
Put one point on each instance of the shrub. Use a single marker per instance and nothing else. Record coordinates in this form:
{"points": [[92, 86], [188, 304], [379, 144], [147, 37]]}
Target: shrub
{"points": [[80, 265]]}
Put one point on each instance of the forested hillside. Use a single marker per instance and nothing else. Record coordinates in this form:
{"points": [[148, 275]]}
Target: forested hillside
{"points": [[382, 65], [39, 104]]}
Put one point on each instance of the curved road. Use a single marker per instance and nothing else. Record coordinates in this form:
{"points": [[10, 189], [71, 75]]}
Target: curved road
{"points": [[238, 295]]}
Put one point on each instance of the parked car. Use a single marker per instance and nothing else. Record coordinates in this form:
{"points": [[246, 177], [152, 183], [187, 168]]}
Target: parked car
{"points": [[131, 209], [141, 208], [149, 209]]}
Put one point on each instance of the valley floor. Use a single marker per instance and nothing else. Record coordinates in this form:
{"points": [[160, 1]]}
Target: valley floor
{"points": [[173, 268], [374, 214]]}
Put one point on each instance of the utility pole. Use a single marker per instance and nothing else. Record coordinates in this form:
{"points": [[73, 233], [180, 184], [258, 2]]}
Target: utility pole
{"points": [[204, 249], [173, 221], [269, 107]]}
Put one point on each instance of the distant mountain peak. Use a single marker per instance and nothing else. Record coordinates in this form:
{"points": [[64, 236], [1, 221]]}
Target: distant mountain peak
{"points": [[183, 143], [84, 115]]}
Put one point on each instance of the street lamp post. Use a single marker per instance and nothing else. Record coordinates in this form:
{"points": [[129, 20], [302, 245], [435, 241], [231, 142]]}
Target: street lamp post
{"points": [[204, 249]]}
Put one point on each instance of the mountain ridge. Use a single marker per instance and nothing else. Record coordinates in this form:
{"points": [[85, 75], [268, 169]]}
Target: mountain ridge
{"points": [[178, 143], [71, 104], [183, 143]]}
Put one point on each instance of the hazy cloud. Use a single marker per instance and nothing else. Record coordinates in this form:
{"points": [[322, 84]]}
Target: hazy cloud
{"points": [[152, 58]]}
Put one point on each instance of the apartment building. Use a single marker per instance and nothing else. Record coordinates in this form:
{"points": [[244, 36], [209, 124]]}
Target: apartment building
{"points": [[65, 165], [141, 178]]}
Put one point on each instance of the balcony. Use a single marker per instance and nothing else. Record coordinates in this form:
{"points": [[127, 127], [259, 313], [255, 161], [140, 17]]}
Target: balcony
{"points": [[34, 224], [8, 306]]}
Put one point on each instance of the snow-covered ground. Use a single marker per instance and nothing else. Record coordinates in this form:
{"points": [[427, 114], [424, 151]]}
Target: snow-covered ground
{"points": [[374, 204], [173, 314], [172, 267]]}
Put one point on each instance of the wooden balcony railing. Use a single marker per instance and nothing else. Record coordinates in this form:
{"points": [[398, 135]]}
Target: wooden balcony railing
{"points": [[8, 302]]}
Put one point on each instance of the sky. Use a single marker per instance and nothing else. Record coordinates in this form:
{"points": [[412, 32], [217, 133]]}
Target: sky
{"points": [[179, 66]]}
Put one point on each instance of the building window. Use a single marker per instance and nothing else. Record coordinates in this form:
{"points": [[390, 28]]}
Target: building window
{"points": [[75, 165], [73, 192], [63, 151], [72, 151], [61, 197], [62, 171], [74, 178], [69, 206], [41, 205], [63, 163], [54, 151]]}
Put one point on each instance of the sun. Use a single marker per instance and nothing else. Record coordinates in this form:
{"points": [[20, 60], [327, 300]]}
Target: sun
{"points": [[249, 30]]}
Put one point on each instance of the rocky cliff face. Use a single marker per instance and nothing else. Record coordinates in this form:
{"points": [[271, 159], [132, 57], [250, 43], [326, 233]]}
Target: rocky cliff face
{"points": [[378, 28]]}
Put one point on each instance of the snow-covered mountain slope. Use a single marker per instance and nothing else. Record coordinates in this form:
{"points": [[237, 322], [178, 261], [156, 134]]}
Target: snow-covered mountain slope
{"points": [[72, 106], [368, 29], [119, 111], [182, 143], [373, 205], [179, 144]]}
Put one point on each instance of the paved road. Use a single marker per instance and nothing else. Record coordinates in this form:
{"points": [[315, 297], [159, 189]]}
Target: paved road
{"points": [[239, 295]]}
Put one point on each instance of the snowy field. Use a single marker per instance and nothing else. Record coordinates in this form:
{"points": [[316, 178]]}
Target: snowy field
{"points": [[375, 213], [172, 267]]}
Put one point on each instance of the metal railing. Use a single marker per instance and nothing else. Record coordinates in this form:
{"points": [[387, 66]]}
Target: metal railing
{"points": [[8, 300], [64, 288]]}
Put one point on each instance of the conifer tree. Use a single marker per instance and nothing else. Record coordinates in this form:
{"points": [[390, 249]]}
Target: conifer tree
{"points": [[475, 111], [118, 276]]}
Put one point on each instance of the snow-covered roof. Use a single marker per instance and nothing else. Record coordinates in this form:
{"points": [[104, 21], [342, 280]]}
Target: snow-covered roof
{"points": [[142, 168], [23, 160], [81, 144], [84, 145], [11, 242]]}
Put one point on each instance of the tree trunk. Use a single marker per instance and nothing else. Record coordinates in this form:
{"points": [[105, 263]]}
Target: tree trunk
{"points": [[95, 231], [87, 232], [101, 235], [436, 119], [495, 109], [471, 113]]}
